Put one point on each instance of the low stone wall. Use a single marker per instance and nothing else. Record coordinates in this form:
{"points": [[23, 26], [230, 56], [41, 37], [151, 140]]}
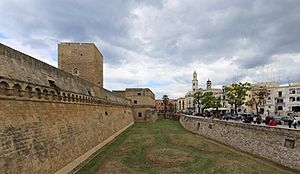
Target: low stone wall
{"points": [[277, 144], [39, 135], [171, 116]]}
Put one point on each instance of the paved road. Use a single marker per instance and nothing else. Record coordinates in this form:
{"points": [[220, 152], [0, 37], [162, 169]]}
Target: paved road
{"points": [[278, 126]]}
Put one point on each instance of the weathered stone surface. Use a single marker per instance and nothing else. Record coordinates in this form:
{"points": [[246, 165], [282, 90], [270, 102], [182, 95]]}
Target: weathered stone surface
{"points": [[42, 137], [267, 142]]}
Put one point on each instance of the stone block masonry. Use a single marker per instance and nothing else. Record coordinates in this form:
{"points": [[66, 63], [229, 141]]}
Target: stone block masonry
{"points": [[45, 136], [276, 144], [50, 120]]}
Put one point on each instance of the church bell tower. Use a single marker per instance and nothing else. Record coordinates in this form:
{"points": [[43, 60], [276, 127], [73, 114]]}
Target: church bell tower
{"points": [[194, 82]]}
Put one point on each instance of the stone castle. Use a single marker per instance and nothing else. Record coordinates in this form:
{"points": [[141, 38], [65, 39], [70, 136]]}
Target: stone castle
{"points": [[54, 119]]}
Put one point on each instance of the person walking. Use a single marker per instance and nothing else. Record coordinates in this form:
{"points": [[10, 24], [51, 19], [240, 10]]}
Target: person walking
{"points": [[254, 119], [290, 123], [295, 123]]}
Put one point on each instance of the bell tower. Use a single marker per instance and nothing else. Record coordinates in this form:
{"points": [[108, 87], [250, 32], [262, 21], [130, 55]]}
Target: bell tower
{"points": [[208, 84], [194, 82]]}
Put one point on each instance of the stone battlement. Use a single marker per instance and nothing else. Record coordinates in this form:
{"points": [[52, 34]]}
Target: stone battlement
{"points": [[16, 89], [17, 66]]}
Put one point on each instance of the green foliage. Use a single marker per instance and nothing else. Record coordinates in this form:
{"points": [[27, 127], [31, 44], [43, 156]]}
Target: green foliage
{"points": [[210, 101], [236, 94], [258, 97], [165, 100], [129, 153], [197, 99]]}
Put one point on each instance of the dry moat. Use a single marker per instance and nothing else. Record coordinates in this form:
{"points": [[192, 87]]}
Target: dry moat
{"points": [[165, 146]]}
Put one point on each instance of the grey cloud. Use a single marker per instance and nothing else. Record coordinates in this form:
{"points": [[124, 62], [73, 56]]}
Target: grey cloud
{"points": [[192, 32]]}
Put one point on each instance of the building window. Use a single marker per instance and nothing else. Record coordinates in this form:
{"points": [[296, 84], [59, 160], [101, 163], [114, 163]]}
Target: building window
{"points": [[298, 98], [292, 91], [269, 98], [279, 108], [292, 99], [139, 94], [135, 102], [140, 114], [75, 72], [280, 94]]}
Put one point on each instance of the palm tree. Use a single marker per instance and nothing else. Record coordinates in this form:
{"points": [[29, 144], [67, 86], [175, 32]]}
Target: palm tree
{"points": [[166, 101], [197, 99]]}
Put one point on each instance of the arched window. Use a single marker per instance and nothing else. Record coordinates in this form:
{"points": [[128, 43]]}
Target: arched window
{"points": [[17, 90], [45, 93], [28, 92], [279, 108], [3, 88], [75, 72], [38, 93]]}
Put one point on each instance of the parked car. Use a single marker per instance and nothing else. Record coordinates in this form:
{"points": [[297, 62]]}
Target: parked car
{"points": [[243, 115], [285, 119], [207, 114], [229, 117], [272, 121], [248, 119]]}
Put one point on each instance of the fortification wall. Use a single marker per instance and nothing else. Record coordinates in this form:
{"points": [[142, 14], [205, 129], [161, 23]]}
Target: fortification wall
{"points": [[20, 67], [277, 144], [42, 135], [144, 113], [50, 120]]}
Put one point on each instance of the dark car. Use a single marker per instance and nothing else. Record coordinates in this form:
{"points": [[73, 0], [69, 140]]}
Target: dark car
{"points": [[248, 119], [285, 119]]}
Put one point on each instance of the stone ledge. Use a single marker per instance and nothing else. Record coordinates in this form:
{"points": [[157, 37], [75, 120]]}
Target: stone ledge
{"points": [[83, 158]]}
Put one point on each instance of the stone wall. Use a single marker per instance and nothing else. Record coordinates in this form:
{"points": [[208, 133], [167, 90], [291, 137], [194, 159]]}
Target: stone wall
{"points": [[50, 120], [83, 60], [277, 144], [30, 72], [144, 113], [42, 135]]}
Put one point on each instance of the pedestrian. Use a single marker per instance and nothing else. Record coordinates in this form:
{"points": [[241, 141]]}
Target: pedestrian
{"points": [[290, 123], [295, 123], [254, 120]]}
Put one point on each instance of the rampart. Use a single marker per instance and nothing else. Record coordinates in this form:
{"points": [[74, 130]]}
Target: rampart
{"points": [[277, 144], [48, 128]]}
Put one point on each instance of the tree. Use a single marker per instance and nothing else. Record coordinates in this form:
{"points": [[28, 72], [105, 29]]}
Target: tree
{"points": [[197, 99], [258, 97], [216, 104], [166, 101], [236, 94], [208, 100]]}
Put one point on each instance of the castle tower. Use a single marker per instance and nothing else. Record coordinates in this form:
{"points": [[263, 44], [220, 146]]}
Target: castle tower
{"points": [[208, 84], [194, 82], [83, 60]]}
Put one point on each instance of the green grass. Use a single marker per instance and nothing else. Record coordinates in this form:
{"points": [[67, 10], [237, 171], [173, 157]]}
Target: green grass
{"points": [[165, 146]]}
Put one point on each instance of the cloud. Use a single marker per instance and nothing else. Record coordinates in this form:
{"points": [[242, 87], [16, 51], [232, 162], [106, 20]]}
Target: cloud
{"points": [[160, 43]]}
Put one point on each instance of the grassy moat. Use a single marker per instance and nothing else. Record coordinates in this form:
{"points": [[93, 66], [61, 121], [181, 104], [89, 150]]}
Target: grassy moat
{"points": [[165, 146]]}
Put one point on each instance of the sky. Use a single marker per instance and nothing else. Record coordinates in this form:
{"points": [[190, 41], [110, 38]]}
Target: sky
{"points": [[160, 43]]}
